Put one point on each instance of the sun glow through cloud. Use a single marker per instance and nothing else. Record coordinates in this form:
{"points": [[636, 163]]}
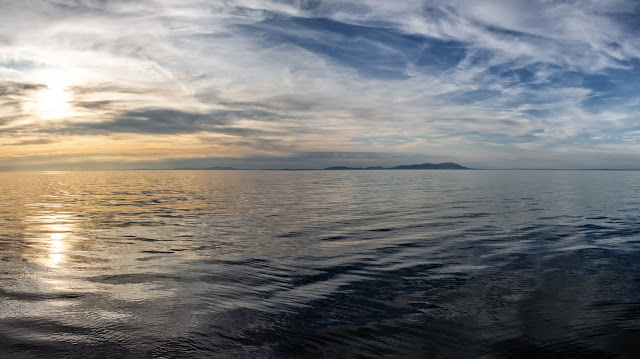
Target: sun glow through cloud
{"points": [[53, 102]]}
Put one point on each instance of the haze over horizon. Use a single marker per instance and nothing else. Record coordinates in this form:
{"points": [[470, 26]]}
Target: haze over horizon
{"points": [[316, 83]]}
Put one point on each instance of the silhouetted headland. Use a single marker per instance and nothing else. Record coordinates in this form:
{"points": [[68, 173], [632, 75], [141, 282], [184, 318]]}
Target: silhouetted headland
{"points": [[423, 166], [216, 168]]}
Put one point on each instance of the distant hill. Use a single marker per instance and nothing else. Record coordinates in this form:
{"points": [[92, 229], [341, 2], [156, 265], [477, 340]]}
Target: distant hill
{"points": [[336, 168], [423, 166], [205, 169], [431, 166]]}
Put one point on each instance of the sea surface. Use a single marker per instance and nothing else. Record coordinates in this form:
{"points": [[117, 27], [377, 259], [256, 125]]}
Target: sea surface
{"points": [[320, 264]]}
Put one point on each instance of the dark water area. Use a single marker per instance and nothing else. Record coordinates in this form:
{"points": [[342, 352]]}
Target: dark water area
{"points": [[315, 264]]}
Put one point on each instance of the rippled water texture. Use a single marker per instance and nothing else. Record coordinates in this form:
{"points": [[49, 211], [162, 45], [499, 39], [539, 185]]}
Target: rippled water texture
{"points": [[320, 264]]}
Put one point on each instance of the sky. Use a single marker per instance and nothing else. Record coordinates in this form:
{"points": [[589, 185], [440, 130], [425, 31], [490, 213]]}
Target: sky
{"points": [[117, 84]]}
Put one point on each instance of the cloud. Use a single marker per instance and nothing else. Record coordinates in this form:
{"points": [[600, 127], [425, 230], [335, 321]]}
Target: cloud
{"points": [[167, 121], [8, 89], [41, 141], [12, 96]]}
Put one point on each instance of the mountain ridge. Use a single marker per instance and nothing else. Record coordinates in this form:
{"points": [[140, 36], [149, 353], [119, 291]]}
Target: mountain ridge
{"points": [[422, 166]]}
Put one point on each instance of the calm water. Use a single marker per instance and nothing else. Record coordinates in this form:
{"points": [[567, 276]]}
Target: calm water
{"points": [[249, 264]]}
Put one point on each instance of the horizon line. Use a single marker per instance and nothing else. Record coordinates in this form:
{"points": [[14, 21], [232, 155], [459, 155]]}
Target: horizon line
{"points": [[318, 169]]}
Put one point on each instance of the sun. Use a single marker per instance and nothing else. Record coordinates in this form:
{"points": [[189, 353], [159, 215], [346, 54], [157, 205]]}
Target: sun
{"points": [[54, 101]]}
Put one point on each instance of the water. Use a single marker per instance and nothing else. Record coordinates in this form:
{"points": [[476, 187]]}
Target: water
{"points": [[320, 264]]}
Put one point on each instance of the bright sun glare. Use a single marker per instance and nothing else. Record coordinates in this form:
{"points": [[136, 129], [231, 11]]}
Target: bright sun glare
{"points": [[53, 102]]}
